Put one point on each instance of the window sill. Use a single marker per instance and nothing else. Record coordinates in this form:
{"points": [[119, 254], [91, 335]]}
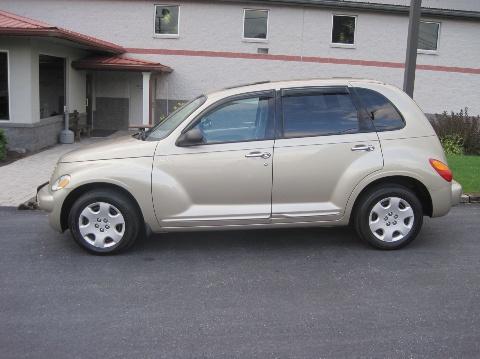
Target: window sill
{"points": [[344, 46], [427, 52], [263, 41], [166, 36]]}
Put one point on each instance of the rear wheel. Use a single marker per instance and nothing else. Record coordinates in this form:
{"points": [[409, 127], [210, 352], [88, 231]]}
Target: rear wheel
{"points": [[104, 221], [389, 217]]}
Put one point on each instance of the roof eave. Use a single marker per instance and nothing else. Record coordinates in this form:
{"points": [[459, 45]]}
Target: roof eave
{"points": [[372, 7], [65, 35], [113, 67]]}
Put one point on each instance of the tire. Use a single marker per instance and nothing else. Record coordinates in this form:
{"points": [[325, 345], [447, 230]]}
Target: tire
{"points": [[388, 216], [110, 212]]}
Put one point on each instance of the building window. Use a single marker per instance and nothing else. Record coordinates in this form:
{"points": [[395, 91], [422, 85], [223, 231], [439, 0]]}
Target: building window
{"points": [[343, 30], [255, 24], [4, 106], [428, 36], [167, 20]]}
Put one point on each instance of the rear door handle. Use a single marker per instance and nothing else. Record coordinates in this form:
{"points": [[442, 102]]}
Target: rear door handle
{"points": [[367, 148], [263, 155]]}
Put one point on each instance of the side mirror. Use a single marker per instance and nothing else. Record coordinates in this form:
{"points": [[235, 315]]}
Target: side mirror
{"points": [[190, 138]]}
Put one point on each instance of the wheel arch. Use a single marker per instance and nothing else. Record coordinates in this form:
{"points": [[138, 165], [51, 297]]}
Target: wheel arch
{"points": [[411, 183], [80, 190]]}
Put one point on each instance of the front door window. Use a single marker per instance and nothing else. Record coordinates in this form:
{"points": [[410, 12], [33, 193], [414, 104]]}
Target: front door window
{"points": [[236, 121]]}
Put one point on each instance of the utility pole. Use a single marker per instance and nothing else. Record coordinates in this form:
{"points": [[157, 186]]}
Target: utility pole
{"points": [[412, 44]]}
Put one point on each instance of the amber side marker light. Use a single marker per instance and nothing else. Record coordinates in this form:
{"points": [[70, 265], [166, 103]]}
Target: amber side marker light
{"points": [[442, 169]]}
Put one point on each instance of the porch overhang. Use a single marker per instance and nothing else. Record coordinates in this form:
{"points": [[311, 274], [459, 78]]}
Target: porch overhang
{"points": [[119, 63], [14, 25]]}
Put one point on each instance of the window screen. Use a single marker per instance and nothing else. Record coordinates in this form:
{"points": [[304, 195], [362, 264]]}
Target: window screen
{"points": [[319, 114], [255, 24], [166, 19], [384, 115], [428, 35], [343, 31]]}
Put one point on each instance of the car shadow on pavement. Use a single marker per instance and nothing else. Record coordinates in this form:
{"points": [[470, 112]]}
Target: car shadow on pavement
{"points": [[251, 240]]}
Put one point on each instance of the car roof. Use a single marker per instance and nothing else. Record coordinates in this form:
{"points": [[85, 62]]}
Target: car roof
{"points": [[276, 85]]}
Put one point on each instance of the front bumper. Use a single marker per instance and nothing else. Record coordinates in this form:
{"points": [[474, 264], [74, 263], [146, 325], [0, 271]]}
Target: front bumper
{"points": [[51, 202], [456, 192], [45, 197]]}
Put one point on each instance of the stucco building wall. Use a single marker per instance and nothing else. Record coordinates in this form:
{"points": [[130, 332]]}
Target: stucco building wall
{"points": [[293, 31]]}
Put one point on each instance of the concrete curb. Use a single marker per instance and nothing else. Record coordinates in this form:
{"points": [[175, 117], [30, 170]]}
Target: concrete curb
{"points": [[470, 198]]}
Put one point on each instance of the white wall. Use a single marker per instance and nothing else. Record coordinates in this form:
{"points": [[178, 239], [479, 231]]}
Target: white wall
{"points": [[293, 30], [20, 74]]}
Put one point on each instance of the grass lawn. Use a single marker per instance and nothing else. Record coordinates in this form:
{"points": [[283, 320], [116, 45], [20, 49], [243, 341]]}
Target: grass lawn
{"points": [[466, 171]]}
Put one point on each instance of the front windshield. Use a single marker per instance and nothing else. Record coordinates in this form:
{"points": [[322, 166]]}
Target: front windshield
{"points": [[171, 122]]}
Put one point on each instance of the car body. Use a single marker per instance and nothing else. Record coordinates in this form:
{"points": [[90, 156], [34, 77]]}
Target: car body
{"points": [[273, 154]]}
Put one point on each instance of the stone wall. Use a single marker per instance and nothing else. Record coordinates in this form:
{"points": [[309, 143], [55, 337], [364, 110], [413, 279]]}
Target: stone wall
{"points": [[33, 137]]}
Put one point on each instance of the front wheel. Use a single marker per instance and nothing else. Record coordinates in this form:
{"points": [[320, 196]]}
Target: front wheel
{"points": [[104, 221], [389, 217]]}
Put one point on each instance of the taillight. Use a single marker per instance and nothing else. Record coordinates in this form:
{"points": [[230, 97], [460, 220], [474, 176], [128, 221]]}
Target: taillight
{"points": [[442, 169]]}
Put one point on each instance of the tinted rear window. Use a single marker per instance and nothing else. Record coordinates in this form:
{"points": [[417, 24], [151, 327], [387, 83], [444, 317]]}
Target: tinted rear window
{"points": [[319, 114], [384, 115]]}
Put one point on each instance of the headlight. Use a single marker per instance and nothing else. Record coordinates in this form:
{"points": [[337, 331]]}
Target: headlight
{"points": [[61, 182]]}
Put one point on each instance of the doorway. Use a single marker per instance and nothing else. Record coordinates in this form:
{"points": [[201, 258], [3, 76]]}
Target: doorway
{"points": [[52, 87]]}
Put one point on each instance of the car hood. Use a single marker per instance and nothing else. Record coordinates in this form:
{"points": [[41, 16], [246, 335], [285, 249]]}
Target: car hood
{"points": [[117, 148]]}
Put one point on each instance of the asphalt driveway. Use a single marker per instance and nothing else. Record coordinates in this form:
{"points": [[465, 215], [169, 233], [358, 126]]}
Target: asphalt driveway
{"points": [[243, 294]]}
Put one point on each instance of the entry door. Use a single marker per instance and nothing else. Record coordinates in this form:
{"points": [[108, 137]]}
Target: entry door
{"points": [[228, 178], [326, 149]]}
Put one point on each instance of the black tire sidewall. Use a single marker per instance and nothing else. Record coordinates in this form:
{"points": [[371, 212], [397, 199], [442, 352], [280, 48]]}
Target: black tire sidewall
{"points": [[372, 198], [122, 203]]}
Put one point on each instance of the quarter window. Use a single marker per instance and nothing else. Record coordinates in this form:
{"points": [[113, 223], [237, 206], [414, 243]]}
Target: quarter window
{"points": [[166, 19], [320, 114], [343, 29], [236, 121], [4, 113], [428, 36], [384, 115], [255, 24]]}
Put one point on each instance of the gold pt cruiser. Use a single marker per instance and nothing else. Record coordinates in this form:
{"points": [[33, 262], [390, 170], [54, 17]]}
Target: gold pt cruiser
{"points": [[268, 155]]}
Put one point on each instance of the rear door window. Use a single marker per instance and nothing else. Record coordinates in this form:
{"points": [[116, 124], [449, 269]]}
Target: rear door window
{"points": [[320, 112], [384, 115]]}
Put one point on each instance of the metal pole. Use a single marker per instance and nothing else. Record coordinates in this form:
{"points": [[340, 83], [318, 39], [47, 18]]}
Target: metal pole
{"points": [[412, 45]]}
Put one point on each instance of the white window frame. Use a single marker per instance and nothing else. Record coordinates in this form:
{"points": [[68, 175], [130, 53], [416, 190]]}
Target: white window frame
{"points": [[253, 39], [431, 52], [166, 36], [342, 45], [9, 119]]}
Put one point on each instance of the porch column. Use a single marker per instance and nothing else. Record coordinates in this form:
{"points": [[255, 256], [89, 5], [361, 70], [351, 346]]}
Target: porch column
{"points": [[146, 98]]}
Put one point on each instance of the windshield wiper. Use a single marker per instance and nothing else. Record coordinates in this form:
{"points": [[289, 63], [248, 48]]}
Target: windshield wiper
{"points": [[140, 135]]}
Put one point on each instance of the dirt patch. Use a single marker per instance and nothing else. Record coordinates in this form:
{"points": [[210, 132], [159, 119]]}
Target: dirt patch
{"points": [[12, 156]]}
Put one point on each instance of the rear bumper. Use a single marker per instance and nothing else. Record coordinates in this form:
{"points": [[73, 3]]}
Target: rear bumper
{"points": [[456, 192]]}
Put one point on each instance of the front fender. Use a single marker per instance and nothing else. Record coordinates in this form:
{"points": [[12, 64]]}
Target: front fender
{"points": [[131, 174]]}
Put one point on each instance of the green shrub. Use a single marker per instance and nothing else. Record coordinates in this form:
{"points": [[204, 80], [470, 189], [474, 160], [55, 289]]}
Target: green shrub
{"points": [[456, 129], [3, 145], [452, 144]]}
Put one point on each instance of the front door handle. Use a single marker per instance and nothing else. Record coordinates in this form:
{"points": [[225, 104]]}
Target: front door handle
{"points": [[367, 148], [263, 155]]}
